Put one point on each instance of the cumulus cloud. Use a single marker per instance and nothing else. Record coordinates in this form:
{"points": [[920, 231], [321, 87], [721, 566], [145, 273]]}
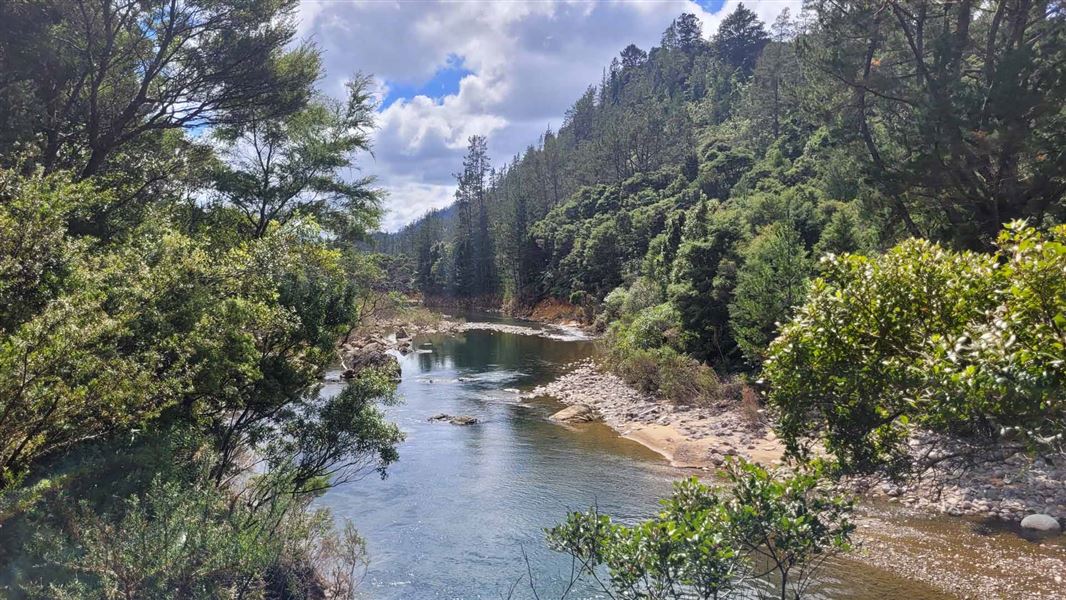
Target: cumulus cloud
{"points": [[524, 64]]}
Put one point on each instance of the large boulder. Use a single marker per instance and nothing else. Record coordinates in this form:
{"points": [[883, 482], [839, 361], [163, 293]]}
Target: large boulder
{"points": [[1041, 523], [401, 333], [369, 356], [578, 413]]}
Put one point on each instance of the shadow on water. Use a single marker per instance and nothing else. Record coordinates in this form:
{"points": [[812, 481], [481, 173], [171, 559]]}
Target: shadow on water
{"points": [[463, 504]]}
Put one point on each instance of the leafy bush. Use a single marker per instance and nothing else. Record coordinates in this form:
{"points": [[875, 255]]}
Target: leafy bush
{"points": [[789, 524], [705, 542], [643, 353], [653, 327], [923, 337], [643, 293], [613, 307], [190, 539]]}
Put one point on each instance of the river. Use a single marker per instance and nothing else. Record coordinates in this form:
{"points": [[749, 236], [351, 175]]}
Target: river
{"points": [[464, 507]]}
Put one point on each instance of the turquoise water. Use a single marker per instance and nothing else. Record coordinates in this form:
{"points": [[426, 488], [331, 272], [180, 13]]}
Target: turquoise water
{"points": [[465, 507]]}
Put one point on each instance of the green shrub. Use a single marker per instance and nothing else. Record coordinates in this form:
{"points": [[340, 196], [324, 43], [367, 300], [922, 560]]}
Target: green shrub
{"points": [[772, 280], [926, 338], [653, 327], [643, 352], [643, 293], [704, 542]]}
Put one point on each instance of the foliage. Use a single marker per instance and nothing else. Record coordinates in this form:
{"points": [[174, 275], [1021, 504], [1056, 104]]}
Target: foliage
{"points": [[662, 371], [105, 89], [652, 327], [702, 287], [183, 536], [771, 281], [704, 543], [740, 39], [791, 525], [171, 541], [924, 338], [130, 308], [956, 108], [280, 168], [1010, 365]]}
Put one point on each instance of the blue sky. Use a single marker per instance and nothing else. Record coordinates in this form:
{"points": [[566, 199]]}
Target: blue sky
{"points": [[444, 82], [507, 70]]}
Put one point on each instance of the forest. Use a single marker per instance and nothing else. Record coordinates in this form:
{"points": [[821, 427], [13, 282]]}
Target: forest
{"points": [[879, 186], [856, 211]]}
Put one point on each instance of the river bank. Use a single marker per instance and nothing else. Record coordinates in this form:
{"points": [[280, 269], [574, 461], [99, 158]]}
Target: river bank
{"points": [[981, 556], [963, 557], [697, 437], [1008, 487], [687, 436], [957, 557]]}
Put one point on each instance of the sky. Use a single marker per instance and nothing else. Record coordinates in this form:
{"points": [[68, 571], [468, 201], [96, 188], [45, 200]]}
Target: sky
{"points": [[506, 69]]}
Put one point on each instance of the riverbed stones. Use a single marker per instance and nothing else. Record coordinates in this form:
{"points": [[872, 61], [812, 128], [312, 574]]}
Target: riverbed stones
{"points": [[1042, 523], [578, 413]]}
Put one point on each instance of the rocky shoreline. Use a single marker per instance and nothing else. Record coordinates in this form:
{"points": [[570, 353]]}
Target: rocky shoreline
{"points": [[963, 558], [898, 530], [687, 436], [1011, 488]]}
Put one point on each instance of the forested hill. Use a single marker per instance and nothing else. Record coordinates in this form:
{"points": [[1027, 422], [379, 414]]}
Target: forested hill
{"points": [[712, 171]]}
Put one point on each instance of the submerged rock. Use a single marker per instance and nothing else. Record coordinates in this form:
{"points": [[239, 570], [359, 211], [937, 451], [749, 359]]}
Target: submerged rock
{"points": [[578, 413], [1041, 522], [455, 420]]}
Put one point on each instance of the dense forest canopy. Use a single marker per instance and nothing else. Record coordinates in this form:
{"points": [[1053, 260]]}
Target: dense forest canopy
{"points": [[853, 124]]}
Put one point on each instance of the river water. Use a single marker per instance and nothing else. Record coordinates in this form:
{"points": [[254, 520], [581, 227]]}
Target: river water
{"points": [[462, 513]]}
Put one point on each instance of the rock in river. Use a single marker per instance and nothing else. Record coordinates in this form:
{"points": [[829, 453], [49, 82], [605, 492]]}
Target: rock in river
{"points": [[456, 420], [578, 413], [1038, 522], [370, 356]]}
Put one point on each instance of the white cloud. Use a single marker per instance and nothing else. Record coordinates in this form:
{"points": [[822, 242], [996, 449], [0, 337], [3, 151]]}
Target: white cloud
{"points": [[528, 61], [412, 199]]}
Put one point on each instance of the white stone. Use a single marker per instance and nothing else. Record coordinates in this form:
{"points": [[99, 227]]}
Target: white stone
{"points": [[1040, 522]]}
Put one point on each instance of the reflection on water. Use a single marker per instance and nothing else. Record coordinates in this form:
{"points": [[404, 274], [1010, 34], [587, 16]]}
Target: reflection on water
{"points": [[463, 504]]}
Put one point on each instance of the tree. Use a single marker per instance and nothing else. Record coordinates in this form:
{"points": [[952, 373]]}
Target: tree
{"points": [[601, 268], [740, 39], [633, 57], [685, 551], [840, 236], [953, 105], [771, 281], [84, 80], [427, 255], [688, 32], [701, 288], [777, 81], [280, 168], [474, 254], [790, 524], [923, 338]]}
